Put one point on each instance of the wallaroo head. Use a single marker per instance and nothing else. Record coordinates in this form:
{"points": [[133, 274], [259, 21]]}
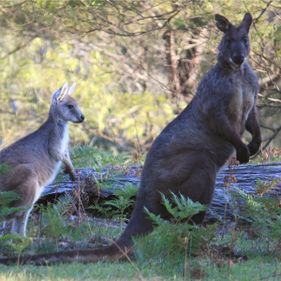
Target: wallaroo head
{"points": [[64, 107], [234, 47]]}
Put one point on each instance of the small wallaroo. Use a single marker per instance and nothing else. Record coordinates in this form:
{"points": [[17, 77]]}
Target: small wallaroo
{"points": [[188, 153], [33, 161]]}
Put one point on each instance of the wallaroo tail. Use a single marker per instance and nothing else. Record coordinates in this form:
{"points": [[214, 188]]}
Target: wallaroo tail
{"points": [[33, 161], [186, 156]]}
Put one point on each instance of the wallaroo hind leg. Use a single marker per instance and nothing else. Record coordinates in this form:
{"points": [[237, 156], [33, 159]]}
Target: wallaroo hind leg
{"points": [[139, 224], [20, 222], [195, 180], [200, 185], [193, 176], [28, 192]]}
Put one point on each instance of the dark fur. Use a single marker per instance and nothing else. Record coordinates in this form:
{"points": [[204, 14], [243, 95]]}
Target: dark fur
{"points": [[188, 153]]}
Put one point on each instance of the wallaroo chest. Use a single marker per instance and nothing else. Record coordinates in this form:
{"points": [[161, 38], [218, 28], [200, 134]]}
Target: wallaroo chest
{"points": [[58, 140], [64, 139], [57, 149], [241, 88]]}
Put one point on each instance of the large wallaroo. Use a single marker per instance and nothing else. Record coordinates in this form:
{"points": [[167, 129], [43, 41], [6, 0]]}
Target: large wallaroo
{"points": [[188, 153], [32, 162]]}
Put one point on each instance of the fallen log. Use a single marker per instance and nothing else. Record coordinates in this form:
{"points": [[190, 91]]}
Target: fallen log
{"points": [[230, 180]]}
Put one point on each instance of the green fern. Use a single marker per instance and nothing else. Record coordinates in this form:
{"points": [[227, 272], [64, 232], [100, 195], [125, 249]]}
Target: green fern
{"points": [[4, 168], [54, 224], [172, 239], [180, 207], [53, 220], [6, 198], [11, 244], [117, 207], [263, 213], [14, 244]]}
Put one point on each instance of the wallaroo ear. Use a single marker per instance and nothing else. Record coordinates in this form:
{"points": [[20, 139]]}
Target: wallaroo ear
{"points": [[60, 93], [247, 21], [71, 89], [222, 23], [63, 92]]}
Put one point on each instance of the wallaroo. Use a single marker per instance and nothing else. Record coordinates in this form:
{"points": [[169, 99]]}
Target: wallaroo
{"points": [[33, 161], [188, 153]]}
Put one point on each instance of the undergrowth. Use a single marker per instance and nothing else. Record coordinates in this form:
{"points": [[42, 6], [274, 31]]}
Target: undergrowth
{"points": [[176, 239], [86, 156], [119, 206], [175, 249], [13, 243]]}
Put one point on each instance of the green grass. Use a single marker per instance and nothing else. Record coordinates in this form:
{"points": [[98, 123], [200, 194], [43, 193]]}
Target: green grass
{"points": [[75, 271], [259, 268]]}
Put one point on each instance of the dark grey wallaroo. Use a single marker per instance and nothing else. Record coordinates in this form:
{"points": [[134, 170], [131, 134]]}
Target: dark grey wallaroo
{"points": [[188, 153], [33, 161]]}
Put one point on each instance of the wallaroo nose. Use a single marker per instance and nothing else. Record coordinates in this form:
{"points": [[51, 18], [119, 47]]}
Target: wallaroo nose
{"points": [[238, 59], [82, 117]]}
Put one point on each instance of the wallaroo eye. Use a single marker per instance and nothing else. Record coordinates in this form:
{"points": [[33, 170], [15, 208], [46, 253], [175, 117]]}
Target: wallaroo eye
{"points": [[69, 106]]}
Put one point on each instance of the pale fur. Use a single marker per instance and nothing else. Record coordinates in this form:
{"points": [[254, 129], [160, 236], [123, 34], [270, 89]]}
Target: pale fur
{"points": [[34, 161]]}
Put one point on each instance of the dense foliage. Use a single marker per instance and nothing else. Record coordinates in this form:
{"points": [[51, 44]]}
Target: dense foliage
{"points": [[136, 63]]}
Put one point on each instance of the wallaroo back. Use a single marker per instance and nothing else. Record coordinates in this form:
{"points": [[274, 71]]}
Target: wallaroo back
{"points": [[33, 161], [186, 156]]}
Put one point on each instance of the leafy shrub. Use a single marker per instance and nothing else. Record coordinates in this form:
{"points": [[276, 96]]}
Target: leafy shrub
{"points": [[118, 207], [11, 244], [54, 225], [173, 241], [6, 198], [264, 213], [14, 244], [54, 222], [4, 168]]}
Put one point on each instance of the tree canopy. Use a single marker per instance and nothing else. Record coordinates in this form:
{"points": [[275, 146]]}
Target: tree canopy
{"points": [[136, 63]]}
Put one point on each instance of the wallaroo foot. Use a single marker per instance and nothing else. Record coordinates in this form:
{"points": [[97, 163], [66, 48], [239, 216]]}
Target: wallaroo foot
{"points": [[254, 146], [243, 154], [71, 174]]}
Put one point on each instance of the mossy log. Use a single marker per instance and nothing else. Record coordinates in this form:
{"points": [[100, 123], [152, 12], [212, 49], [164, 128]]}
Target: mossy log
{"points": [[99, 186]]}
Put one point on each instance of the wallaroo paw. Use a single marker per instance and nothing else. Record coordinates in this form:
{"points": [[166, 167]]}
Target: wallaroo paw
{"points": [[243, 154], [71, 174], [254, 146]]}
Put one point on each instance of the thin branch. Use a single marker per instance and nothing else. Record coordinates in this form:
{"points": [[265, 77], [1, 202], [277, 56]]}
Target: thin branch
{"points": [[270, 139], [262, 11], [19, 47]]}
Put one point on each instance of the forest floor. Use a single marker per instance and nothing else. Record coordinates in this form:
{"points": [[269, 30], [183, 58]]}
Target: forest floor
{"points": [[223, 251]]}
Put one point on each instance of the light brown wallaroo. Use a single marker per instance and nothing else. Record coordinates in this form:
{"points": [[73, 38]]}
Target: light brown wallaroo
{"points": [[33, 162], [188, 153]]}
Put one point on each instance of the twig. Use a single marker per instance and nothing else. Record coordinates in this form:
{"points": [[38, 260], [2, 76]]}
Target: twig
{"points": [[19, 47]]}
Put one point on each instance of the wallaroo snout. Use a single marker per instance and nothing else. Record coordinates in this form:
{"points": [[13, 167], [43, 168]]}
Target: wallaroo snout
{"points": [[234, 46], [34, 161]]}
